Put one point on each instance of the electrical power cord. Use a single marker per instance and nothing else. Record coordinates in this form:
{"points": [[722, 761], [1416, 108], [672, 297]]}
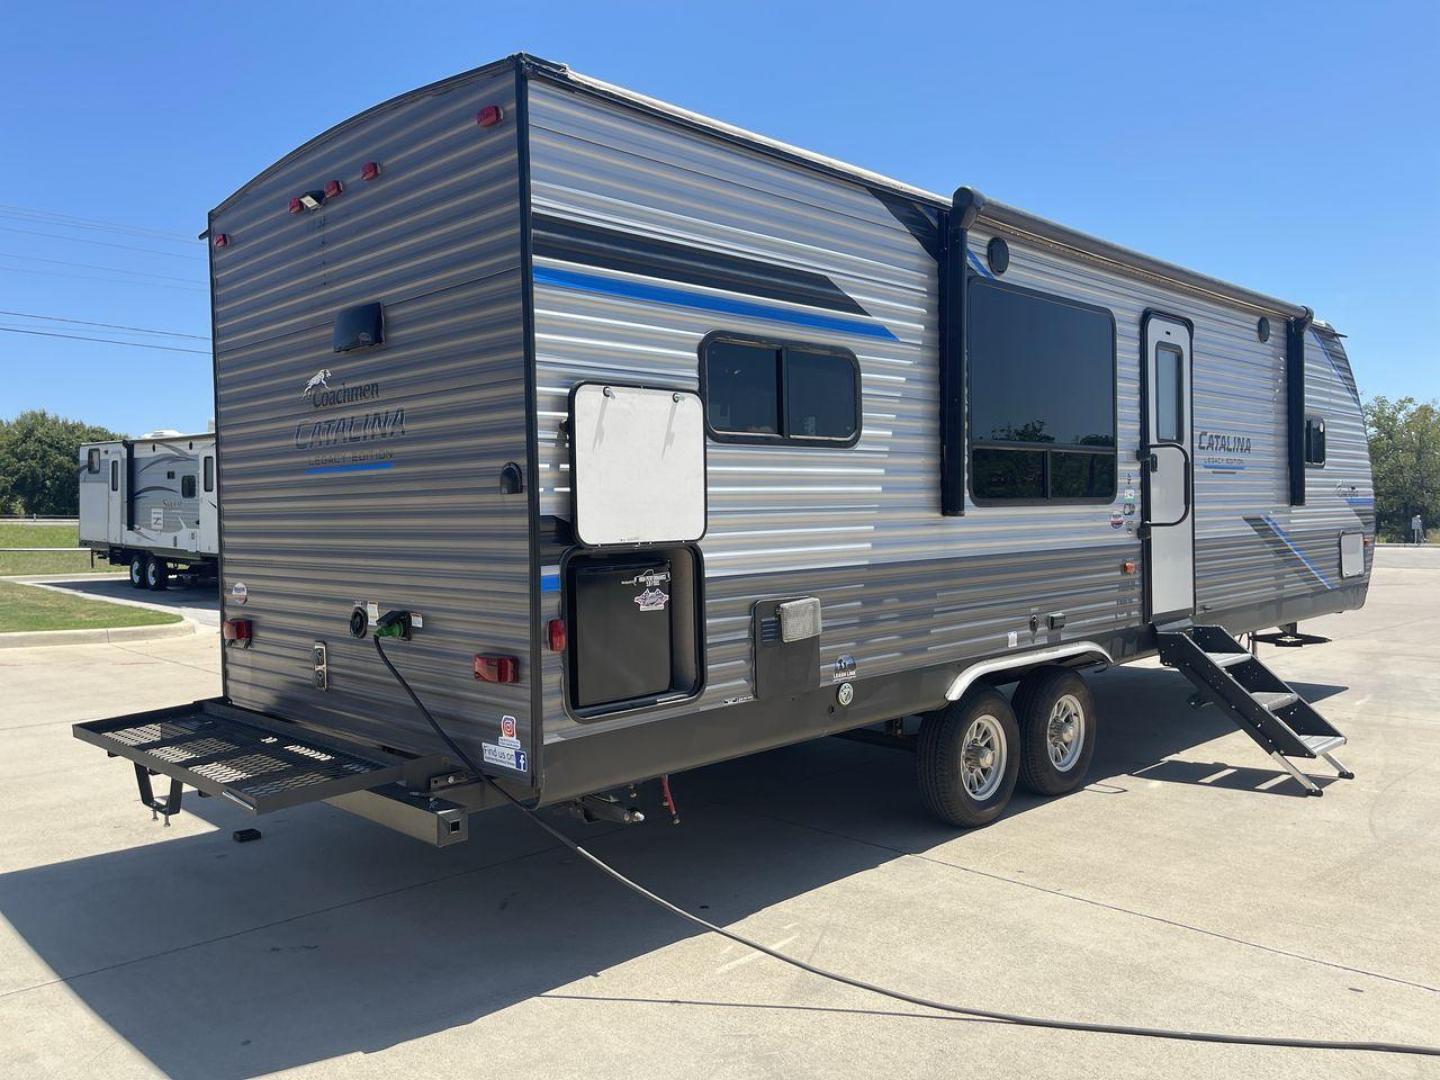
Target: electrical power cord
{"points": [[1016, 1019]]}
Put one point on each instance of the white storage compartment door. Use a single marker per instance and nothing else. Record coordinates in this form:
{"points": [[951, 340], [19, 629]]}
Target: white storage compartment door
{"points": [[1352, 554], [637, 465]]}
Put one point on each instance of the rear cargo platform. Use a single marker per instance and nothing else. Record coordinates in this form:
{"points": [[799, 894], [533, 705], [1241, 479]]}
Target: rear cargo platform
{"points": [[254, 761]]}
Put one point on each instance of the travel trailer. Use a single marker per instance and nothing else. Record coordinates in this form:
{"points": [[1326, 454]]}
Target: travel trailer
{"points": [[637, 441], [151, 502]]}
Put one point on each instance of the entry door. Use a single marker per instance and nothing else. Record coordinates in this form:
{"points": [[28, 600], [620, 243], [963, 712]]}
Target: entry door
{"points": [[115, 499], [1167, 478], [209, 506]]}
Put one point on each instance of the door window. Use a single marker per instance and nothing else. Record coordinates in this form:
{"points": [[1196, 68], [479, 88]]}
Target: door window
{"points": [[1169, 394]]}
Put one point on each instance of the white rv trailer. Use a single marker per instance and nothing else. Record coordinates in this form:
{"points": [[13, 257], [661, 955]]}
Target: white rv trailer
{"points": [[151, 502], [660, 443]]}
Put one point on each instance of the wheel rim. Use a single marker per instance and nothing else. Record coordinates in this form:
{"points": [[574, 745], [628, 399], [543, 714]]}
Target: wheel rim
{"points": [[135, 573], [982, 757], [152, 574], [1065, 733]]}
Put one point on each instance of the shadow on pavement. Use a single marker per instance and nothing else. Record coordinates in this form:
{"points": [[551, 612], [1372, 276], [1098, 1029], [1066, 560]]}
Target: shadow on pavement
{"points": [[332, 936], [189, 600]]}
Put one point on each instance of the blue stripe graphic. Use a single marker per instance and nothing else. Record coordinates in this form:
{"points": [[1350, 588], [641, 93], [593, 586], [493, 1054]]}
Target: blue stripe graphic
{"points": [[660, 294], [1285, 539], [978, 265], [359, 466], [549, 583]]}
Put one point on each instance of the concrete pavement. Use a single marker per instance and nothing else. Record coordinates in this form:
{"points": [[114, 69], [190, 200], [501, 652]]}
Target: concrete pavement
{"points": [[1183, 887]]}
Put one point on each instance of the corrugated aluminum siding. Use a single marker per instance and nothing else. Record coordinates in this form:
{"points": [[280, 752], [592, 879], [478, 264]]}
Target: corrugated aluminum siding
{"points": [[901, 586], [1239, 391], [436, 239]]}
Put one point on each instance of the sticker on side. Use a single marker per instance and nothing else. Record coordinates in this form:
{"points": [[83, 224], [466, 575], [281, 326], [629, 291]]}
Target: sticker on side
{"points": [[506, 756], [652, 600], [239, 593], [157, 517], [507, 733]]}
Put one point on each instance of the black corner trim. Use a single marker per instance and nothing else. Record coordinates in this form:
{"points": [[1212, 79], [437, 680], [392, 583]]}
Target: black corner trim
{"points": [[1295, 402]]}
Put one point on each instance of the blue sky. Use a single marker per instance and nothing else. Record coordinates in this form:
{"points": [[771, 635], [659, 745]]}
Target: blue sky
{"points": [[1289, 147]]}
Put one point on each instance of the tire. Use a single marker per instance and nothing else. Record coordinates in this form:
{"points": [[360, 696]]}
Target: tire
{"points": [[157, 574], [137, 570], [961, 732], [1056, 714]]}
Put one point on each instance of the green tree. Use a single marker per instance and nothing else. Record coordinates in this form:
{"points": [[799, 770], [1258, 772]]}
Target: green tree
{"points": [[40, 462], [1405, 459]]}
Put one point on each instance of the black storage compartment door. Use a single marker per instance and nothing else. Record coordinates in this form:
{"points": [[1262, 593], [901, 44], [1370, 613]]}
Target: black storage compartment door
{"points": [[621, 630]]}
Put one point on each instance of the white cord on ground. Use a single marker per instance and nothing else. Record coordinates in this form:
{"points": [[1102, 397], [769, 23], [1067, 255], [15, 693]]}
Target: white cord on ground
{"points": [[1017, 1019]]}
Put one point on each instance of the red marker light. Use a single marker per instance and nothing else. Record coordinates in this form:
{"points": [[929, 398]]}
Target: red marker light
{"points": [[334, 189], [497, 669], [235, 629], [490, 115], [296, 205], [370, 170], [222, 240], [1128, 566], [555, 632]]}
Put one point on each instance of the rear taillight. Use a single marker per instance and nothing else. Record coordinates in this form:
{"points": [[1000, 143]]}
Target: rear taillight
{"points": [[236, 630], [370, 170], [497, 669], [555, 634], [334, 189], [296, 205]]}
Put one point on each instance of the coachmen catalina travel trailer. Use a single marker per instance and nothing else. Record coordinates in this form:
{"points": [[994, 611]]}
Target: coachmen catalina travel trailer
{"points": [[151, 502], [637, 441]]}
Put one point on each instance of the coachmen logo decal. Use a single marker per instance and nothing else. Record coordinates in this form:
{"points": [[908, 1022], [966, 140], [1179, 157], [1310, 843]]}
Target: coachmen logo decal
{"points": [[346, 442], [320, 378]]}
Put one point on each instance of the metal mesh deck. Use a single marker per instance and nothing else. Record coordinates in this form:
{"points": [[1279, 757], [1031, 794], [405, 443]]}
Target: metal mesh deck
{"points": [[259, 767]]}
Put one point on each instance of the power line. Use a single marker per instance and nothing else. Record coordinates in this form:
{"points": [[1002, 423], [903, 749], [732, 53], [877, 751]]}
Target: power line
{"points": [[104, 243], [106, 341], [29, 270], [104, 325], [92, 266], [70, 221]]}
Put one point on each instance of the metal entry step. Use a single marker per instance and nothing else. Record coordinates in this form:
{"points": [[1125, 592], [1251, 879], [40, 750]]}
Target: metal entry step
{"points": [[260, 764], [1264, 706]]}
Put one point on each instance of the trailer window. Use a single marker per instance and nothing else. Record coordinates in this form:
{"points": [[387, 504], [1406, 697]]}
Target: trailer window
{"points": [[765, 392], [209, 474], [187, 487], [1041, 396], [1169, 393], [1315, 440], [92, 461]]}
